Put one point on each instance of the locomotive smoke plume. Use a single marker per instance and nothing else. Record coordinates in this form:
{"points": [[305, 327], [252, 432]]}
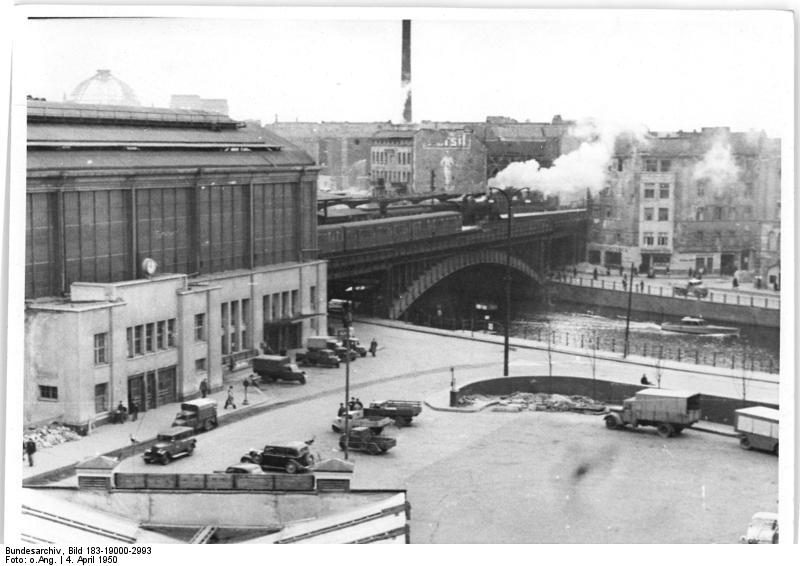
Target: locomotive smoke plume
{"points": [[574, 172], [718, 166]]}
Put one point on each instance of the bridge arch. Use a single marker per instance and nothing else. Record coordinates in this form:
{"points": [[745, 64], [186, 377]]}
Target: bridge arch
{"points": [[451, 265]]}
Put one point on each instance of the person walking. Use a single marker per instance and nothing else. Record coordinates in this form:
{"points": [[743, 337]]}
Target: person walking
{"points": [[594, 274], [373, 347], [735, 282], [134, 411], [624, 283], [203, 388], [29, 449], [229, 402]]}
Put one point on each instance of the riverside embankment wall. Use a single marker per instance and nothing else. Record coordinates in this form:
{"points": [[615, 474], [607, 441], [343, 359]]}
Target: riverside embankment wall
{"points": [[669, 306], [715, 409]]}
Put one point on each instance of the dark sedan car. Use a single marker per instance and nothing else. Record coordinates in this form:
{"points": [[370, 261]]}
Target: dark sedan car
{"points": [[291, 457]]}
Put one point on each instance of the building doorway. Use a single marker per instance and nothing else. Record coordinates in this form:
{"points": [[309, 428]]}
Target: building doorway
{"points": [[153, 388], [283, 336]]}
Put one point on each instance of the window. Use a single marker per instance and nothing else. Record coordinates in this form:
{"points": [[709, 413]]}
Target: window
{"points": [[700, 235], [130, 341], [648, 239], [648, 213], [608, 212], [312, 297], [620, 161], [276, 298], [700, 214], [748, 211], [294, 303], [100, 397], [200, 365], [732, 234], [651, 165], [663, 239], [619, 237], [717, 213], [149, 330], [285, 304], [48, 392], [137, 340], [160, 343], [200, 327], [748, 189], [663, 190], [663, 214], [649, 190], [100, 352], [666, 165], [171, 333]]}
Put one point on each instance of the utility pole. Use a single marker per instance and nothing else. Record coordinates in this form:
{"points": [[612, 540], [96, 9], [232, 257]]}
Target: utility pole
{"points": [[347, 319], [628, 315]]}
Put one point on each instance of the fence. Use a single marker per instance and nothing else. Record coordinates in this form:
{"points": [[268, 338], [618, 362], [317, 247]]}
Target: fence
{"points": [[745, 300], [598, 342]]}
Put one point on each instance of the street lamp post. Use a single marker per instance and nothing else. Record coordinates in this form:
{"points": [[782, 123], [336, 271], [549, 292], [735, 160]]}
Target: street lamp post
{"points": [[508, 194]]}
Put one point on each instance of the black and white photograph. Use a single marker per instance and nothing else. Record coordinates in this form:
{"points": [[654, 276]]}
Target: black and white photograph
{"points": [[430, 275]]}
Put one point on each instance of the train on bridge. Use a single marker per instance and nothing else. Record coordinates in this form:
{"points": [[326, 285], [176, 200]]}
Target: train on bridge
{"points": [[336, 239]]}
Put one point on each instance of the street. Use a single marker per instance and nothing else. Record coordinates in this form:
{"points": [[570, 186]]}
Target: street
{"points": [[477, 477]]}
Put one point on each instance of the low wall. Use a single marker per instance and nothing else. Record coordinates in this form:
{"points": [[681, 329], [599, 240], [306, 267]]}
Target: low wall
{"points": [[715, 409], [671, 306]]}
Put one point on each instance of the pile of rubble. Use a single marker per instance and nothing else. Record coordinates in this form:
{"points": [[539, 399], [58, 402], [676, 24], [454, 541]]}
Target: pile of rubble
{"points": [[548, 402], [50, 435]]}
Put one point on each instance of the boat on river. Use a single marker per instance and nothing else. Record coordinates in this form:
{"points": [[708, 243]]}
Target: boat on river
{"points": [[698, 325]]}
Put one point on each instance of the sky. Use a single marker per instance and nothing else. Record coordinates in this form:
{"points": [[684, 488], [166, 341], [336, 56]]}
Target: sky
{"points": [[668, 70]]}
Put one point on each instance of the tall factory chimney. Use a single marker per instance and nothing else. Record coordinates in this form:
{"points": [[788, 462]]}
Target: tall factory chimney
{"points": [[405, 71]]}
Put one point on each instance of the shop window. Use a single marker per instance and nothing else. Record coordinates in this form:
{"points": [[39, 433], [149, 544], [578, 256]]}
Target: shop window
{"points": [[101, 348], [48, 392]]}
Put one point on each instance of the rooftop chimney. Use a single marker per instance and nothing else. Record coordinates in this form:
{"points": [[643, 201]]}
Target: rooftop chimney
{"points": [[405, 70]]}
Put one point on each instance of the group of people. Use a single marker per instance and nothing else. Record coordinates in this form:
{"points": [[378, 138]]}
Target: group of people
{"points": [[354, 404], [121, 413]]}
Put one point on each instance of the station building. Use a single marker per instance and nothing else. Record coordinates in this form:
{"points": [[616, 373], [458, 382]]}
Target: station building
{"points": [[707, 200], [162, 246]]}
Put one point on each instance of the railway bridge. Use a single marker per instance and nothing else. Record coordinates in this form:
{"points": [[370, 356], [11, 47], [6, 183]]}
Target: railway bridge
{"points": [[390, 280]]}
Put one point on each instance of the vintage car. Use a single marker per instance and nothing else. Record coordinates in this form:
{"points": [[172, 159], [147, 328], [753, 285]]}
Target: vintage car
{"points": [[692, 288], [170, 444], [291, 457], [244, 468], [364, 440], [763, 529]]}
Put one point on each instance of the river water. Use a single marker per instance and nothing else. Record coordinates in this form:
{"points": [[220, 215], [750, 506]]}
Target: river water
{"points": [[582, 325]]}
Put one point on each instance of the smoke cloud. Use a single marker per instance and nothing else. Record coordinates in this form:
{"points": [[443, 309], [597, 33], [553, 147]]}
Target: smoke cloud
{"points": [[718, 166], [571, 174]]}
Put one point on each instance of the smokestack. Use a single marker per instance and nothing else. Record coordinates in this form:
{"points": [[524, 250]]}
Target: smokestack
{"points": [[405, 70]]}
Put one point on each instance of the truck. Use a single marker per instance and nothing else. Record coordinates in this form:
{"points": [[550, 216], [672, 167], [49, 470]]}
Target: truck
{"points": [[355, 344], [314, 357], [199, 414], [359, 419], [668, 410], [364, 440], [170, 444], [692, 288], [403, 412], [330, 343], [273, 368], [758, 428]]}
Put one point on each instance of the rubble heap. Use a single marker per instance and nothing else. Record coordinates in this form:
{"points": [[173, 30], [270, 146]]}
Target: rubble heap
{"points": [[519, 401], [50, 435]]}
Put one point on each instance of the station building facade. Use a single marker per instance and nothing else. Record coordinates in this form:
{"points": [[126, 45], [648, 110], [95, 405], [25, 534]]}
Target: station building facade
{"points": [[162, 246]]}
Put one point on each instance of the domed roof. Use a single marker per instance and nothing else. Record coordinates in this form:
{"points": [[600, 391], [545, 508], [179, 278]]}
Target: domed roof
{"points": [[102, 88]]}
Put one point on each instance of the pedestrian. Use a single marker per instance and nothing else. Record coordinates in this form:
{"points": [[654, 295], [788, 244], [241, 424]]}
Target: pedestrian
{"points": [[352, 404], [691, 272], [204, 388], [373, 347], [624, 283], [594, 274], [122, 413], [358, 405], [641, 286], [758, 282], [229, 401], [134, 411], [644, 380], [342, 410], [29, 449], [575, 271], [735, 282]]}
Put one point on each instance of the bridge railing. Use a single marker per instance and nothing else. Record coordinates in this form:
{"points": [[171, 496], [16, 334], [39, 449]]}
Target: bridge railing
{"points": [[597, 342], [665, 290]]}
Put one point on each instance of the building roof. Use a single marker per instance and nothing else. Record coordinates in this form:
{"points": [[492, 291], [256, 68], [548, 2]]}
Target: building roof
{"points": [[317, 130], [524, 132], [98, 463], [391, 134]]}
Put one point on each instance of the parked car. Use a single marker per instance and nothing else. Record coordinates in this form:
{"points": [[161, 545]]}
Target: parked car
{"points": [[292, 457], [364, 440], [692, 288], [244, 468], [323, 357], [170, 444], [763, 529]]}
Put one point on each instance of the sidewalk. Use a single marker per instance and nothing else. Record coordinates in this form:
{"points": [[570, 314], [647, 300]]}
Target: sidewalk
{"points": [[115, 437]]}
